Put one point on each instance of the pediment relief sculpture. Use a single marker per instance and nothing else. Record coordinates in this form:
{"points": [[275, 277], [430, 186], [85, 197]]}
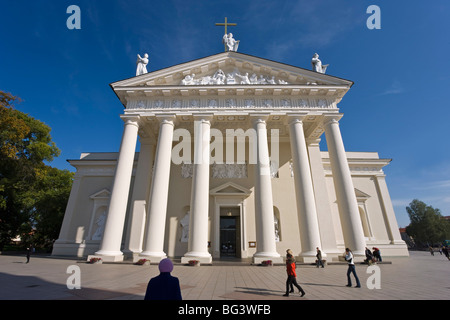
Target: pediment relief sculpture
{"points": [[234, 77]]}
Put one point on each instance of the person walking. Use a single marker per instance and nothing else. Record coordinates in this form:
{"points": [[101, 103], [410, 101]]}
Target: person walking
{"points": [[319, 258], [445, 250], [164, 286], [28, 254], [292, 275], [351, 268]]}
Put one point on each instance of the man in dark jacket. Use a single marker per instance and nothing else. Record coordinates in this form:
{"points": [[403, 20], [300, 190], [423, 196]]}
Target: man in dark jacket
{"points": [[164, 286], [319, 258]]}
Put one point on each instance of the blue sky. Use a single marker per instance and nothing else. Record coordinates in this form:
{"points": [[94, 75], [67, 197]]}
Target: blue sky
{"points": [[397, 107]]}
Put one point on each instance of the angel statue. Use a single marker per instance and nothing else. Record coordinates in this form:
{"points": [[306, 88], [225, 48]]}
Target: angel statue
{"points": [[317, 64], [142, 65], [230, 43]]}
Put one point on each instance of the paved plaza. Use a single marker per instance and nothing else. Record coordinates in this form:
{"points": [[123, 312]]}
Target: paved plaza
{"points": [[419, 277]]}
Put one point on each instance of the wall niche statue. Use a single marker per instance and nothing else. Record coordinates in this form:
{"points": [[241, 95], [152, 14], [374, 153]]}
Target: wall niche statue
{"points": [[185, 228]]}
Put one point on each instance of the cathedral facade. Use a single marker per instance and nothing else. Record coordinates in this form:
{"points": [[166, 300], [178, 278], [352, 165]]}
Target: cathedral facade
{"points": [[229, 165]]}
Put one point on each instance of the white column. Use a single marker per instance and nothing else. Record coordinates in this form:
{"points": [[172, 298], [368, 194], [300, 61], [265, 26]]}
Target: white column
{"points": [[198, 219], [141, 189], [306, 206], [159, 192], [265, 228], [345, 191], [112, 236]]}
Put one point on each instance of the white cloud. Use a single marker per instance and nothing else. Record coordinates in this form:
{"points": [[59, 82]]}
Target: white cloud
{"points": [[431, 184], [438, 185], [401, 202], [435, 193], [395, 88]]}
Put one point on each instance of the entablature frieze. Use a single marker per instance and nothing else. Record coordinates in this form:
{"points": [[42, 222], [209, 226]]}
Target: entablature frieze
{"points": [[222, 121], [180, 104]]}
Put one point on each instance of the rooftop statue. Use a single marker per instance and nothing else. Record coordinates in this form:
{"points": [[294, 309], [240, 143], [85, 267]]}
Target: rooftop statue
{"points": [[141, 65], [317, 64], [230, 43]]}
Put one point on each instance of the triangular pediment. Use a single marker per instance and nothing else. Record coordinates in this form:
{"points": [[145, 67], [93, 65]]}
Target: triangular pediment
{"points": [[234, 66], [102, 194], [230, 188], [361, 195]]}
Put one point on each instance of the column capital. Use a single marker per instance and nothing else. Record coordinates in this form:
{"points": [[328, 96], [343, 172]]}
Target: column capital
{"points": [[331, 118], [313, 141], [296, 117], [295, 120], [132, 119], [166, 118], [204, 117], [259, 118]]}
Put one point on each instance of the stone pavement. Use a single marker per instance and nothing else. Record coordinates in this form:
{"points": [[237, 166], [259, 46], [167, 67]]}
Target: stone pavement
{"points": [[418, 277]]}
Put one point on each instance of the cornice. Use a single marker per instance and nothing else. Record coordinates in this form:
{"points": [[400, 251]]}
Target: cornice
{"points": [[335, 91]]}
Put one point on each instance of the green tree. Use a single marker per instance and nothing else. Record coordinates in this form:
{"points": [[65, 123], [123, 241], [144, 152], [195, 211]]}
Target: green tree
{"points": [[427, 225], [51, 193], [30, 191]]}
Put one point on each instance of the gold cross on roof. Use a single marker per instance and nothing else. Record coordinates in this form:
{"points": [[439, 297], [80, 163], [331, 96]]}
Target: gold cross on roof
{"points": [[226, 24]]}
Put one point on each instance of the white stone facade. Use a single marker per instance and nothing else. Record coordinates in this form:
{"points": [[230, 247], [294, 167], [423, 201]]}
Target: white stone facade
{"points": [[229, 169]]}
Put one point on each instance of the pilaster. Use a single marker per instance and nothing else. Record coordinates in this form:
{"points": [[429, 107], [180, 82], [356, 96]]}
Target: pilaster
{"points": [[323, 208], [388, 211], [141, 189]]}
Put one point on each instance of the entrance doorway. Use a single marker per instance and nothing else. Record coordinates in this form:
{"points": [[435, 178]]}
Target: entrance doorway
{"points": [[230, 240]]}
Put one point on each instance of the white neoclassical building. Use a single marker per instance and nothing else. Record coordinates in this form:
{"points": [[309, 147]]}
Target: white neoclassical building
{"points": [[229, 165]]}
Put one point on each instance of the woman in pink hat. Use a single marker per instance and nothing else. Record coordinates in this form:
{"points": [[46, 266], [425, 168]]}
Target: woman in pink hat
{"points": [[164, 286]]}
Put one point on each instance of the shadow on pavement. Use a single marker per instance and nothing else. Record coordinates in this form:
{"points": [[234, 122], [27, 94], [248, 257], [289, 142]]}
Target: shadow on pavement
{"points": [[21, 287]]}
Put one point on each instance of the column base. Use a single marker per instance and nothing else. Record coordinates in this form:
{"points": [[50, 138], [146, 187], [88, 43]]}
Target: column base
{"points": [[107, 256], [309, 257], [130, 254], [259, 257], [154, 257], [259, 260], [200, 256]]}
